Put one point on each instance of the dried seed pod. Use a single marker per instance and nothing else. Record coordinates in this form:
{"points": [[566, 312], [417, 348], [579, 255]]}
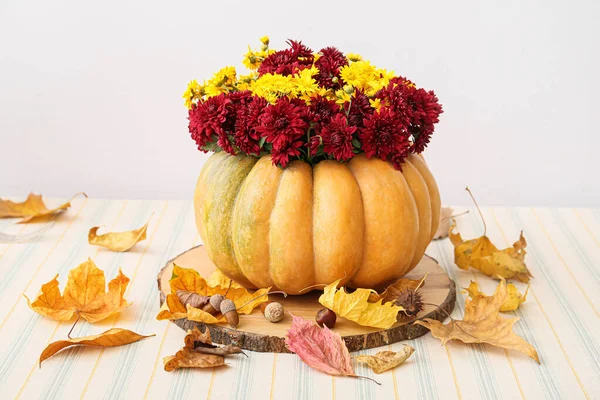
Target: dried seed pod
{"points": [[227, 308], [326, 317], [214, 304], [411, 301], [193, 299], [273, 311]]}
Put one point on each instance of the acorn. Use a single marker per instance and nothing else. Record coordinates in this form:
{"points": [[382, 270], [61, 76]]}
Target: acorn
{"points": [[273, 311], [227, 308], [214, 304], [411, 301], [326, 317]]}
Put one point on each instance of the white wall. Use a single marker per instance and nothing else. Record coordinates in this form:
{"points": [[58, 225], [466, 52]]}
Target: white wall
{"points": [[90, 91]]}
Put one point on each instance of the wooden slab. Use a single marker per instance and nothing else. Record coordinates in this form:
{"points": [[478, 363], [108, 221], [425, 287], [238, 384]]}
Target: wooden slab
{"points": [[257, 334]]}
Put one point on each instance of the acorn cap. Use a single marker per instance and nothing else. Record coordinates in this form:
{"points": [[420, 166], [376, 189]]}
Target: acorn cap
{"points": [[215, 301], [226, 306]]}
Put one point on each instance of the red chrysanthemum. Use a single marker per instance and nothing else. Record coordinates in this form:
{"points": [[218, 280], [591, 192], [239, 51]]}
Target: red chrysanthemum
{"points": [[360, 108], [383, 134], [246, 137], [281, 154], [321, 110], [426, 111], [313, 145], [337, 138], [282, 123], [329, 65], [207, 118], [395, 96], [288, 61]]}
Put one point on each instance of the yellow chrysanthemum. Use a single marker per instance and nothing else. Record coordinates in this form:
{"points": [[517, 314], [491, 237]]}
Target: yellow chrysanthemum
{"points": [[375, 103], [252, 60], [273, 86], [305, 85], [193, 93], [265, 40], [341, 96], [221, 82], [354, 57]]}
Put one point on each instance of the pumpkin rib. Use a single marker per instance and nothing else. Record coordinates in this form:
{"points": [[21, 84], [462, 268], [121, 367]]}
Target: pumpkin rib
{"points": [[420, 193], [292, 267], [206, 175], [252, 220], [436, 205]]}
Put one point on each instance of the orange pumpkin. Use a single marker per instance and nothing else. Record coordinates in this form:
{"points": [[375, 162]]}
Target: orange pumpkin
{"points": [[361, 221]]}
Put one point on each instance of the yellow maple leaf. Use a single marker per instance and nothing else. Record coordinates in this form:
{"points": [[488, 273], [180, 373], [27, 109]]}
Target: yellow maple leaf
{"points": [[117, 241], [513, 297], [483, 324], [392, 291], [85, 294], [191, 281], [31, 209], [111, 338], [356, 307]]}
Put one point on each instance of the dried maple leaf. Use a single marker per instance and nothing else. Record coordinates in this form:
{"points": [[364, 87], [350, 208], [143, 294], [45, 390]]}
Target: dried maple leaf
{"points": [[386, 360], [513, 298], [356, 307], [481, 254], [117, 241], [393, 291], [483, 324], [320, 348], [189, 358], [85, 294], [444, 225], [111, 338], [190, 280], [31, 209]]}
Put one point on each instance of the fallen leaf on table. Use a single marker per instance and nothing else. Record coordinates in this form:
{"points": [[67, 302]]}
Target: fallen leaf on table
{"points": [[202, 343], [111, 338], [189, 358], [392, 292], [320, 348], [513, 298], [444, 225], [356, 307], [32, 208], [85, 294], [117, 241], [189, 280], [386, 360], [483, 324], [482, 255]]}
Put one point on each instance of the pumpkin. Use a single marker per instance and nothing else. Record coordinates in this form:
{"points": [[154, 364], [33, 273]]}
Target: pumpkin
{"points": [[362, 221]]}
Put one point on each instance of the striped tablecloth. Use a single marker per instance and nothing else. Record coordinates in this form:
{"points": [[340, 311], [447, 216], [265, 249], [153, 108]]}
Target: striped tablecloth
{"points": [[560, 318]]}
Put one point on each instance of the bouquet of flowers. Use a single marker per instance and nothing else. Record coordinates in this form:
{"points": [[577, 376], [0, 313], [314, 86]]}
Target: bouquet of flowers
{"points": [[299, 104]]}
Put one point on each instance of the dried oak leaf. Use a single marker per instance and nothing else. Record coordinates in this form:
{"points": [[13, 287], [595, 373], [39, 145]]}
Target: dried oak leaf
{"points": [[117, 241], [483, 324], [85, 294], [320, 348], [201, 342], [356, 307], [111, 338], [386, 360], [189, 358], [190, 280], [393, 291], [31, 209], [481, 254], [513, 299], [444, 225]]}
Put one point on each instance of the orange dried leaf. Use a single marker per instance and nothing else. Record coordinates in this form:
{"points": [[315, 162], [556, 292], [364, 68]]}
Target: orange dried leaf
{"points": [[481, 254], [356, 307], [513, 298], [85, 294], [189, 358], [31, 209], [111, 338], [320, 348], [483, 324], [117, 241], [392, 291]]}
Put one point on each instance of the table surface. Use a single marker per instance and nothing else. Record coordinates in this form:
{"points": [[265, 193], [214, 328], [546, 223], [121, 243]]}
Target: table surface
{"points": [[560, 318]]}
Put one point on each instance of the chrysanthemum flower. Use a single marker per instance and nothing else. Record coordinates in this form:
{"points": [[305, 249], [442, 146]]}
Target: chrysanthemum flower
{"points": [[282, 123], [245, 133], [281, 153], [321, 110], [206, 119], [337, 138], [329, 64], [288, 61], [358, 108], [383, 134]]}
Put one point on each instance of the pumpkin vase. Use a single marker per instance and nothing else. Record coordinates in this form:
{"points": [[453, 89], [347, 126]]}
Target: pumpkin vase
{"points": [[304, 226]]}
